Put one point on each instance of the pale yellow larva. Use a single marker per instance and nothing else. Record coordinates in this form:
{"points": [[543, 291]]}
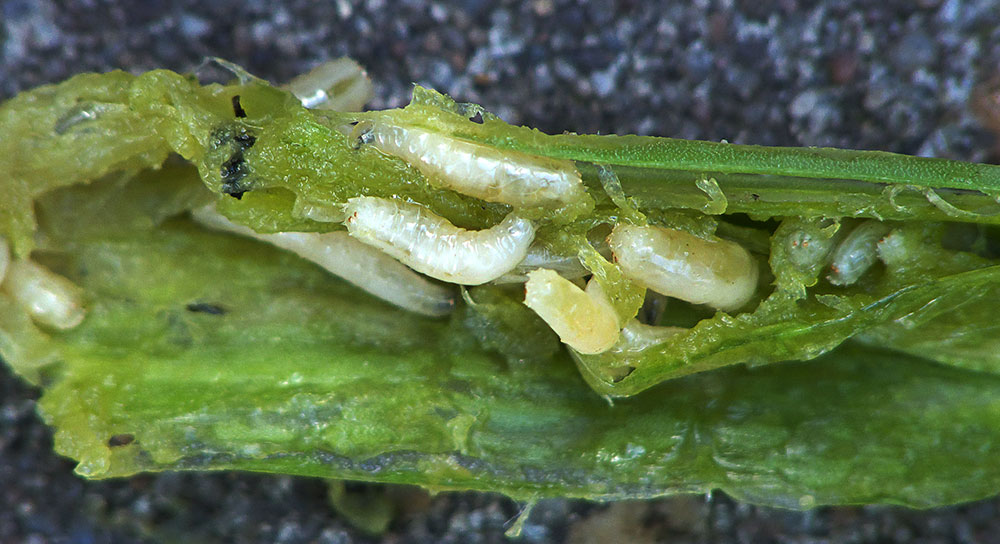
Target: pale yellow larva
{"points": [[49, 298], [432, 245], [504, 176], [359, 264], [678, 264], [583, 319]]}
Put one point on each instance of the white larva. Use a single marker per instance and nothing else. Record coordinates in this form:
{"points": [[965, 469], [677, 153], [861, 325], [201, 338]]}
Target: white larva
{"points": [[357, 263], [678, 264], [430, 244], [895, 249], [507, 177], [341, 85], [857, 253], [584, 320], [808, 248], [49, 298], [4, 258], [84, 112]]}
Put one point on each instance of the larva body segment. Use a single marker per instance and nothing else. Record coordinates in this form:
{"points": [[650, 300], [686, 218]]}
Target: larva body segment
{"points": [[430, 244], [539, 257], [857, 253], [340, 84], [584, 320], [636, 337], [675, 263], [507, 177], [359, 264], [49, 298], [568, 266]]}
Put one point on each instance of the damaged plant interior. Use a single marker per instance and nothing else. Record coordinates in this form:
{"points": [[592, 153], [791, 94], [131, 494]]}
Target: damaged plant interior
{"points": [[258, 277]]}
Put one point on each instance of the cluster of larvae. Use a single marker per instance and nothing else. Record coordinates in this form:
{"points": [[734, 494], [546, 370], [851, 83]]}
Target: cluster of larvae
{"points": [[847, 255], [397, 249], [396, 246]]}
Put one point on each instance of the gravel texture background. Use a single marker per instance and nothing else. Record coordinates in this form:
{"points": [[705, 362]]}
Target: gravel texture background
{"points": [[897, 77]]}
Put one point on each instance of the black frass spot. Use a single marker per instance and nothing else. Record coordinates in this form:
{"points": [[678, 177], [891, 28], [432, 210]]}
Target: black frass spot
{"points": [[201, 307], [244, 139], [233, 171], [238, 110], [231, 142], [119, 440]]}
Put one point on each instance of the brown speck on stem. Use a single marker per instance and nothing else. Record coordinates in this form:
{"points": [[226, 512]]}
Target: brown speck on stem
{"points": [[119, 440]]}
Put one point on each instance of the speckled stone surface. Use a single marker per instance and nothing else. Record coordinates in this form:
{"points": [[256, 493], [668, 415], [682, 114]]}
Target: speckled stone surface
{"points": [[896, 76]]}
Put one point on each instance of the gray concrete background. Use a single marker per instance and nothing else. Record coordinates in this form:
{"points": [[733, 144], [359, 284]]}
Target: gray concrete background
{"points": [[897, 76]]}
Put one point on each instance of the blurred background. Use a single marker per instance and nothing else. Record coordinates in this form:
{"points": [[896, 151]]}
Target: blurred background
{"points": [[909, 76]]}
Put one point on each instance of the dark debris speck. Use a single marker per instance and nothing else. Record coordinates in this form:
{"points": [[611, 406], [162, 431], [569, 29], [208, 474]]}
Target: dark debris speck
{"points": [[119, 440], [205, 308]]}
